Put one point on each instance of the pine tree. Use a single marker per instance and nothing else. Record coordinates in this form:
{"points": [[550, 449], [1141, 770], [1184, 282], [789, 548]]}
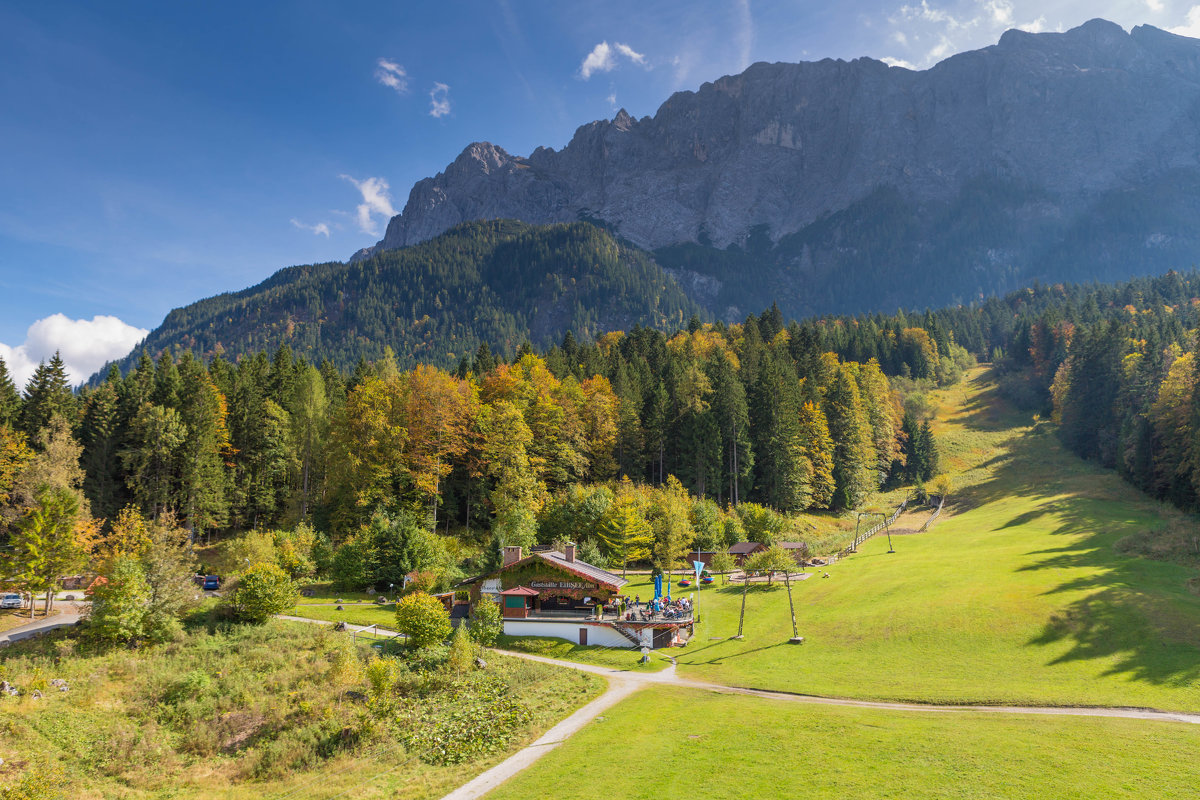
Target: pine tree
{"points": [[853, 451], [817, 445], [203, 412], [626, 536], [101, 445], [732, 416], [10, 399], [47, 393]]}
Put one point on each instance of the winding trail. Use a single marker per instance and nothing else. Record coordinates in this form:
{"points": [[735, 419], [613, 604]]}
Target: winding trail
{"points": [[623, 683]]}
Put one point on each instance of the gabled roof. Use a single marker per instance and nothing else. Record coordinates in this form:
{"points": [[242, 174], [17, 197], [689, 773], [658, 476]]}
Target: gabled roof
{"points": [[581, 568], [794, 545], [557, 559], [743, 548], [520, 591]]}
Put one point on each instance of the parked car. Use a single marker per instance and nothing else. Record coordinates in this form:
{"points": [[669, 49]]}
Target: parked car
{"points": [[10, 600], [211, 583]]}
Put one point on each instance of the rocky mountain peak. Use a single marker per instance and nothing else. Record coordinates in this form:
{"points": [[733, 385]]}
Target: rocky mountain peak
{"points": [[780, 146]]}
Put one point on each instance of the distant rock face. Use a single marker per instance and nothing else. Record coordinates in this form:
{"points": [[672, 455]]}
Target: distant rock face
{"points": [[1076, 114]]}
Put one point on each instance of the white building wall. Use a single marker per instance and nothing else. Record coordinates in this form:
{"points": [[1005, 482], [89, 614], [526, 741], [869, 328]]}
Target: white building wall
{"points": [[601, 635]]}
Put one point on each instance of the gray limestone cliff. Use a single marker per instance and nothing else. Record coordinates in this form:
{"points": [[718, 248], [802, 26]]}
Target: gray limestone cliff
{"points": [[1076, 115]]}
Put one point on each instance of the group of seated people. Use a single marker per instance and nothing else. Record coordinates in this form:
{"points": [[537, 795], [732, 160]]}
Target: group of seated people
{"points": [[659, 607]]}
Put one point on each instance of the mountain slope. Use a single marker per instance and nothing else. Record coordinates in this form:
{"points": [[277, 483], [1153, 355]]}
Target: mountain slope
{"points": [[845, 186], [500, 282]]}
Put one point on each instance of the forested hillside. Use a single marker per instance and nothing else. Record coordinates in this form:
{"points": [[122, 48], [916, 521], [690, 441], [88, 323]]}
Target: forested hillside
{"points": [[639, 445], [501, 282]]}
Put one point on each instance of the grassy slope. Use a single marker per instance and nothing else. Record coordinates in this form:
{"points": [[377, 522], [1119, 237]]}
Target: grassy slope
{"points": [[688, 742], [618, 658], [1016, 596], [114, 734]]}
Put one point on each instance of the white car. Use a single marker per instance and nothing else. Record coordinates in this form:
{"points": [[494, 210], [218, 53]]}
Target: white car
{"points": [[10, 601]]}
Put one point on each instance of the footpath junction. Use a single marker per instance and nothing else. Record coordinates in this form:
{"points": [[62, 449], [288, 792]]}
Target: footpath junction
{"points": [[553, 593]]}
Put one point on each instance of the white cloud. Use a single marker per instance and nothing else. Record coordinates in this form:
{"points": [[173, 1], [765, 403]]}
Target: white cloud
{"points": [[376, 200], [603, 58], [745, 33], [320, 229], [439, 100], [85, 346], [898, 62], [1191, 26], [392, 75], [1154, 5], [612, 100]]}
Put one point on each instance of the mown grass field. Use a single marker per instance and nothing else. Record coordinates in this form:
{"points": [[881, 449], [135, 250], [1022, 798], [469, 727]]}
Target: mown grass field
{"points": [[667, 741], [242, 713], [1019, 594], [355, 613]]}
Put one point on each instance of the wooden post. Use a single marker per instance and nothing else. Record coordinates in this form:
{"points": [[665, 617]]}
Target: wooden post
{"points": [[742, 617]]}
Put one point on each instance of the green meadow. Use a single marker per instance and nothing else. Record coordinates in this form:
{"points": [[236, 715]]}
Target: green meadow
{"points": [[1021, 593], [667, 741]]}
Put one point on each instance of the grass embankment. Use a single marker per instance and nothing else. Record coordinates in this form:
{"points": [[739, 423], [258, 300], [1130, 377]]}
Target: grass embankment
{"points": [[16, 617], [263, 712], [1019, 594], [354, 613], [680, 741], [617, 658]]}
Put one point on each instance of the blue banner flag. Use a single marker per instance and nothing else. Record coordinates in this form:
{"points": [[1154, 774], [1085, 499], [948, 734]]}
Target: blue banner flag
{"points": [[699, 565], [657, 586]]}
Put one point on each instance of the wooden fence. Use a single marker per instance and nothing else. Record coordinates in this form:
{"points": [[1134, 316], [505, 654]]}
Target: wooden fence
{"points": [[934, 515], [869, 532]]}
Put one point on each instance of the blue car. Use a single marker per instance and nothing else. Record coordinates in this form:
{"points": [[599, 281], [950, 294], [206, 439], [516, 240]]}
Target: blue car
{"points": [[211, 583]]}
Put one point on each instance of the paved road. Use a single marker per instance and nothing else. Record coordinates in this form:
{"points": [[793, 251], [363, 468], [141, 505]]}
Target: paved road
{"points": [[39, 626], [622, 683]]}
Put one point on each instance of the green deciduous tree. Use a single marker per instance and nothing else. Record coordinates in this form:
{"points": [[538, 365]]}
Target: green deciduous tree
{"points": [[262, 591], [423, 619]]}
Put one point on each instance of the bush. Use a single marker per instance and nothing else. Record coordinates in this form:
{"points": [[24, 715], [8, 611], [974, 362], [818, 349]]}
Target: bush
{"points": [[462, 651], [487, 623], [423, 619], [118, 611], [263, 591]]}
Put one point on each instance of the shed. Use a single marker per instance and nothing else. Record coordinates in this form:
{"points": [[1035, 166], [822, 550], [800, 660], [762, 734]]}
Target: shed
{"points": [[740, 550], [798, 551], [517, 601]]}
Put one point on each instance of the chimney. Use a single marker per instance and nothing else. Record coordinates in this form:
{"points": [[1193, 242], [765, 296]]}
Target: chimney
{"points": [[511, 555], [569, 552]]}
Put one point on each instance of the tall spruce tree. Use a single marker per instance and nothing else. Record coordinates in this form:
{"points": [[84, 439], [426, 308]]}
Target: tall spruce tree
{"points": [[853, 449], [10, 398]]}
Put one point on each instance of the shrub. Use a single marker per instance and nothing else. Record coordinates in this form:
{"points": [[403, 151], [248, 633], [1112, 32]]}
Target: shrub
{"points": [[118, 611], [487, 623], [462, 651], [423, 619], [263, 591]]}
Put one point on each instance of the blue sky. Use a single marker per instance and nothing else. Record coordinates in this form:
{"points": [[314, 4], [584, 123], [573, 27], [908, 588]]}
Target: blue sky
{"points": [[157, 153]]}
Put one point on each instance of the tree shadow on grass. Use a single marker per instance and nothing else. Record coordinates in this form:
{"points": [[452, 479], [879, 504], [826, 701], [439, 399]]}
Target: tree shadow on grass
{"points": [[1135, 614], [721, 658]]}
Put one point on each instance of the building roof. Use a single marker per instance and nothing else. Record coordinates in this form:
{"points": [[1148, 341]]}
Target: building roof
{"points": [[743, 548], [521, 591], [794, 545], [558, 559], [581, 568]]}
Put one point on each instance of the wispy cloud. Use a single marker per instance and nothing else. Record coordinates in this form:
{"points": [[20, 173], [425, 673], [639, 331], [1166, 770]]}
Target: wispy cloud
{"points": [[391, 75], [1191, 26], [745, 34], [612, 100], [376, 201], [439, 100], [1154, 5], [931, 33], [85, 345], [898, 62], [603, 58], [320, 229]]}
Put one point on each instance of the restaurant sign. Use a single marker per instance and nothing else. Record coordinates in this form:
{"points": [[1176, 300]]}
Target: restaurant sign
{"points": [[561, 585]]}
